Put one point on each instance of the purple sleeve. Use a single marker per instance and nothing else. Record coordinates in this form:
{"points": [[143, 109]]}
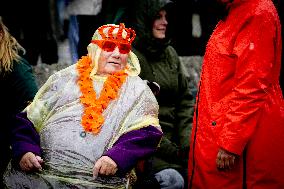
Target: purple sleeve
{"points": [[133, 146], [24, 137]]}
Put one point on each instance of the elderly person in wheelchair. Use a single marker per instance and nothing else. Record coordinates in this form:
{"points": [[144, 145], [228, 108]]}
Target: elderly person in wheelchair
{"points": [[95, 120]]}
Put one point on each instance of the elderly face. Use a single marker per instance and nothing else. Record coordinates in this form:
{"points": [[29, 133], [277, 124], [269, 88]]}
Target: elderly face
{"points": [[160, 25], [111, 61]]}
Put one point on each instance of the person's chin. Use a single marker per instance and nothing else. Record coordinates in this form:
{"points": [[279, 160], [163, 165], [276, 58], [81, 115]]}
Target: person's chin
{"points": [[115, 68], [161, 36]]}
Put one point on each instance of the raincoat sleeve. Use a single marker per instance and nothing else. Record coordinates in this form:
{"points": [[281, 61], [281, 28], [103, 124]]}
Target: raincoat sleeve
{"points": [[45, 100], [254, 50]]}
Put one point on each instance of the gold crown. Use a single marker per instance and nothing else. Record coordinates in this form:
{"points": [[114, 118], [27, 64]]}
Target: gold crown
{"points": [[123, 35]]}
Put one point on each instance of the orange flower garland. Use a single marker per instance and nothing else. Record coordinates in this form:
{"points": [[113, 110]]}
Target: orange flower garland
{"points": [[92, 119]]}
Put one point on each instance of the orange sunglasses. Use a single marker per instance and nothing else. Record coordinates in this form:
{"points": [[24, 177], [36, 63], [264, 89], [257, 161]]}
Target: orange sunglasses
{"points": [[109, 46]]}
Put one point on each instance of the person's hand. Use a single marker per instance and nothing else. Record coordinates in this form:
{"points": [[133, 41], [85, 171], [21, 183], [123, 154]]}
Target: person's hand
{"points": [[104, 166], [225, 160], [30, 162]]}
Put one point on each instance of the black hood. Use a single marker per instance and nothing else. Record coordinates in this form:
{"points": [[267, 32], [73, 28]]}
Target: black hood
{"points": [[144, 15]]}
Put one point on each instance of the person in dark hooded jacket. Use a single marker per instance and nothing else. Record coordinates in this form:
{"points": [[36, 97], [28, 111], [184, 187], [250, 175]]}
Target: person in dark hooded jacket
{"points": [[160, 63], [18, 88]]}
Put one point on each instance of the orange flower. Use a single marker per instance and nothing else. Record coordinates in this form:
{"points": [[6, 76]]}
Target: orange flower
{"points": [[92, 118]]}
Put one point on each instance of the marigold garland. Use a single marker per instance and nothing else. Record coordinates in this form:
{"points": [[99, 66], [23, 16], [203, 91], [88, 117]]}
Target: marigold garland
{"points": [[92, 119]]}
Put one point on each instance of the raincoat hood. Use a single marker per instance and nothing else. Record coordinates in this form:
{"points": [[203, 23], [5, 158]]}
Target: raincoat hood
{"points": [[143, 24]]}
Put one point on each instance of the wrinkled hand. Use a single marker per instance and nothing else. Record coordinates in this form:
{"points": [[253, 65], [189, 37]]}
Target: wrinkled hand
{"points": [[225, 160], [104, 166], [30, 162]]}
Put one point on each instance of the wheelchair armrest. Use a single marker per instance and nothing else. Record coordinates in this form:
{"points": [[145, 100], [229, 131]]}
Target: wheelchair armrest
{"points": [[155, 87]]}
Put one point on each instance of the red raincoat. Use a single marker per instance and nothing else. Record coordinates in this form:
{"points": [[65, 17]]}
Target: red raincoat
{"points": [[240, 107]]}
